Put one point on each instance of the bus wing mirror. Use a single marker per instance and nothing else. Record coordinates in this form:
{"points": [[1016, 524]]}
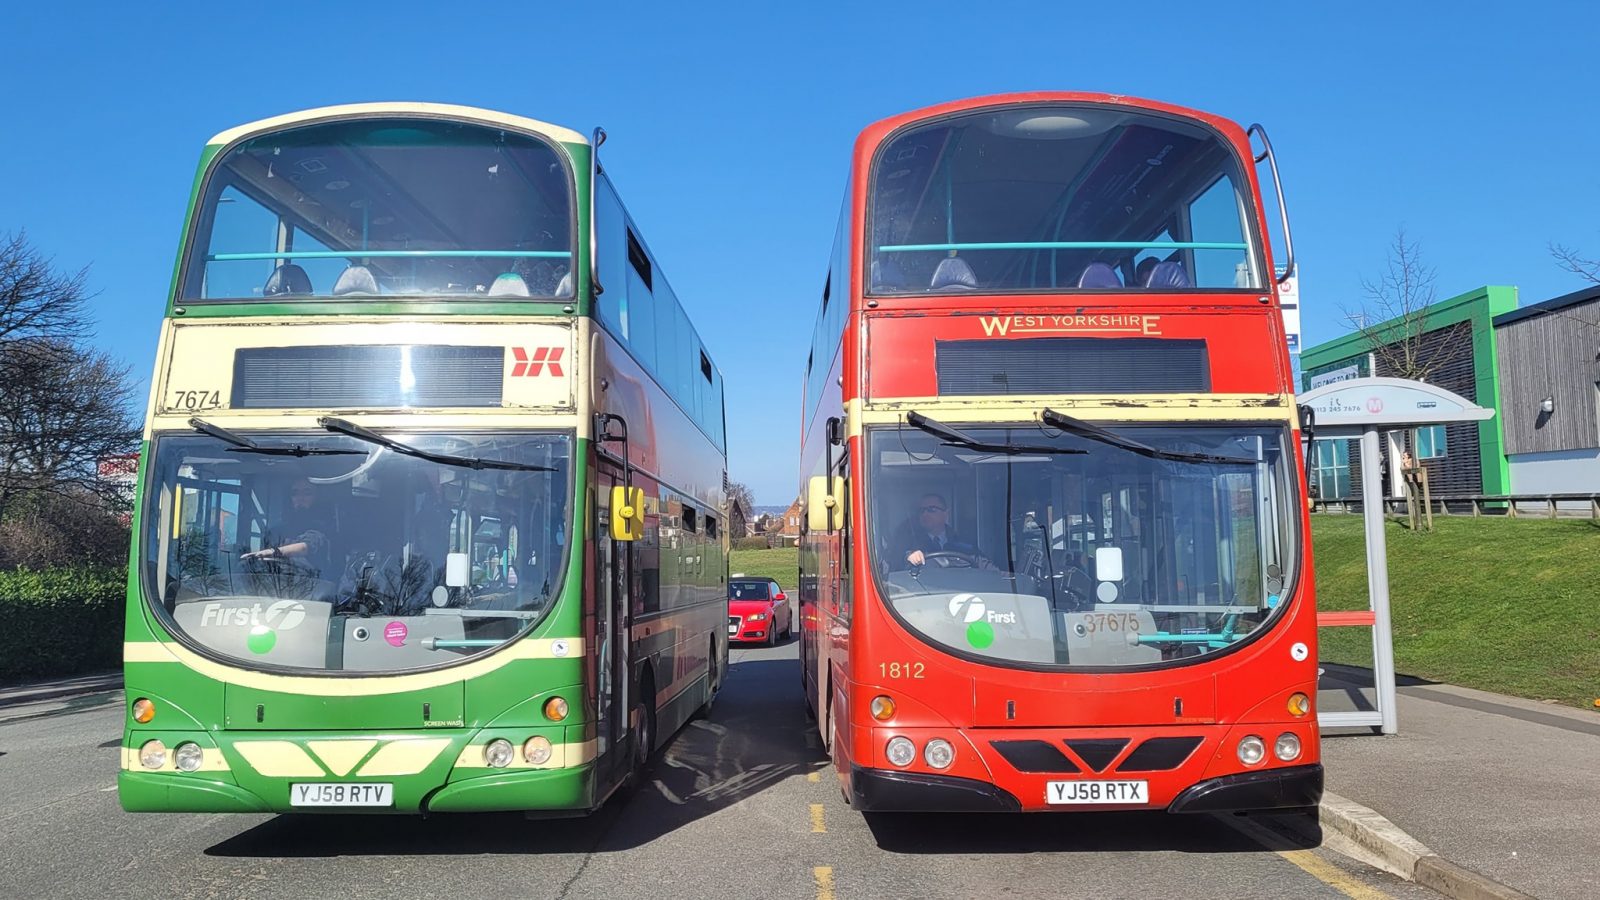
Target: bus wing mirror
{"points": [[1283, 208], [627, 513], [824, 506]]}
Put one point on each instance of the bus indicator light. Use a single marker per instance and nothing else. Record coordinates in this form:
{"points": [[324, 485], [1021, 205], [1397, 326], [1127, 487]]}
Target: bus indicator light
{"points": [[1299, 705], [882, 709], [143, 711]]}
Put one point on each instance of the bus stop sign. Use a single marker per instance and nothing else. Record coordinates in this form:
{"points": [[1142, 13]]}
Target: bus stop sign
{"points": [[1362, 407]]}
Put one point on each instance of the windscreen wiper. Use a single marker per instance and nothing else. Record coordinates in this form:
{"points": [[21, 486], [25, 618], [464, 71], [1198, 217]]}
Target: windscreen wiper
{"points": [[951, 435], [449, 459], [243, 444], [1096, 433]]}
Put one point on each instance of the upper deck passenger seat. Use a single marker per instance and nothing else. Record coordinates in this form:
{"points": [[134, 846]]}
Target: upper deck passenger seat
{"points": [[1169, 274], [509, 284], [1099, 275], [953, 274], [1141, 272], [287, 279], [887, 275], [564, 287], [355, 280]]}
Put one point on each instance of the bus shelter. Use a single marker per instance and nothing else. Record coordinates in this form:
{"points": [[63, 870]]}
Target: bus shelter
{"points": [[1363, 408]]}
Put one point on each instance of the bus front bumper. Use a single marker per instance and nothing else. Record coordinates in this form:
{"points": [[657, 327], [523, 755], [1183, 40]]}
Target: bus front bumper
{"points": [[1299, 787], [533, 790], [876, 790]]}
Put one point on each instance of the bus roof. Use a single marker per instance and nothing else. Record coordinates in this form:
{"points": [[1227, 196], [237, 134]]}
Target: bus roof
{"points": [[445, 110], [872, 134]]}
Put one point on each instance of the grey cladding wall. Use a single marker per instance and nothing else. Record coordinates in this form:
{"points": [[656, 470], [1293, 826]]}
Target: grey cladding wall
{"points": [[1556, 355]]}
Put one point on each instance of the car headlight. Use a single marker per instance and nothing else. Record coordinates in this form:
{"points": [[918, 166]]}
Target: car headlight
{"points": [[537, 750], [497, 754], [901, 751], [1287, 747], [939, 753], [757, 617], [1252, 750], [189, 757], [153, 755]]}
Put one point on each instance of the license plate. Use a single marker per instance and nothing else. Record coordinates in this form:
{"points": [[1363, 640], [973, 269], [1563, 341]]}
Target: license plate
{"points": [[1090, 792], [341, 795]]}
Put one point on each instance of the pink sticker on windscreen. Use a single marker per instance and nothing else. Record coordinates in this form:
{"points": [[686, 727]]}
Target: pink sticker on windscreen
{"points": [[395, 633]]}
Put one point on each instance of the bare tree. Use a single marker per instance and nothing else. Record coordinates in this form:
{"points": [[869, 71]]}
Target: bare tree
{"points": [[65, 409], [1394, 318], [1569, 259], [740, 491], [38, 302]]}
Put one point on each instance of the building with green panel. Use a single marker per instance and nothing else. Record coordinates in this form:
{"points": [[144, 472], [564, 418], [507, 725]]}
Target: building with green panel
{"points": [[1455, 338]]}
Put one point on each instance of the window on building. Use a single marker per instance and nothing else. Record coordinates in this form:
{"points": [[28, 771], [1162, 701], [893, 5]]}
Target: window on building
{"points": [[1431, 442], [1331, 473]]}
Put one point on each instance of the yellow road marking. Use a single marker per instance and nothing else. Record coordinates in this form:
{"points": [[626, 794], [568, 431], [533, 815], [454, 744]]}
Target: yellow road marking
{"points": [[817, 826], [813, 777], [1332, 875], [824, 878]]}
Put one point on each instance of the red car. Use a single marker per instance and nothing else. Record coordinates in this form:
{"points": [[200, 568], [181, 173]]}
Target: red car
{"points": [[757, 611]]}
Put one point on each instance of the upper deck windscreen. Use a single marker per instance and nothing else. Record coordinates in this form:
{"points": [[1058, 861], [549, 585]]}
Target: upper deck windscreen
{"points": [[367, 208], [1056, 198]]}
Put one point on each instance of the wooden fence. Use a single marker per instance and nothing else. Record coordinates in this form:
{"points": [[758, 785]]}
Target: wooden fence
{"points": [[1508, 505]]}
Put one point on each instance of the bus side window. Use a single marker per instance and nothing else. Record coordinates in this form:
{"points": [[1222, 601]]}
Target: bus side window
{"points": [[612, 259]]}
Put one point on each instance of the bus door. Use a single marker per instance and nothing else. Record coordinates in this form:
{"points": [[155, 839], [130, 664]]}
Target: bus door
{"points": [[612, 610]]}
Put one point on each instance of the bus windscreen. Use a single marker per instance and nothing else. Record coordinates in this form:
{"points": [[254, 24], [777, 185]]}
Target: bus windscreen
{"points": [[367, 208], [1137, 547], [1054, 198], [326, 552]]}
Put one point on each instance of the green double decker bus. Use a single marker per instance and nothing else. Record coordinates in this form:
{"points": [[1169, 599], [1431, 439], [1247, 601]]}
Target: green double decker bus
{"points": [[432, 486]]}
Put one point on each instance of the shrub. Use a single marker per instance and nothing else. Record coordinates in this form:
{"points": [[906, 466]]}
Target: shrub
{"points": [[46, 531], [750, 543], [61, 621]]}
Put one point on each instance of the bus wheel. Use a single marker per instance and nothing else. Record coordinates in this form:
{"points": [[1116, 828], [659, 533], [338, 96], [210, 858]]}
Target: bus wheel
{"points": [[644, 711], [713, 684]]}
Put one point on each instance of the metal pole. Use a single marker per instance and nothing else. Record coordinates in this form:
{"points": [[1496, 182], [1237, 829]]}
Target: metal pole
{"points": [[1378, 582]]}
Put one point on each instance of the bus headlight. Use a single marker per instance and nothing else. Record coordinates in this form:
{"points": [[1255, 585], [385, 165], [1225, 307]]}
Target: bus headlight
{"points": [[1287, 747], [1252, 750], [153, 755], [188, 757], [939, 753], [901, 751], [497, 754], [537, 750]]}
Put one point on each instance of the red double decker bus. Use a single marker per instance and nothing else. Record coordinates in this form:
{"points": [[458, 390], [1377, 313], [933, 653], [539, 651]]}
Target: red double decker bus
{"points": [[1056, 551]]}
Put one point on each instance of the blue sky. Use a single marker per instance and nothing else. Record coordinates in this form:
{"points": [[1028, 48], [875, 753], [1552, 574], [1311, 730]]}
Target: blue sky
{"points": [[1472, 124]]}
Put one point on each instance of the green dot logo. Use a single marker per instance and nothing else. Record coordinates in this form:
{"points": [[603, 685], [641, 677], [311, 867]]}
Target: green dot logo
{"points": [[980, 634], [261, 639]]}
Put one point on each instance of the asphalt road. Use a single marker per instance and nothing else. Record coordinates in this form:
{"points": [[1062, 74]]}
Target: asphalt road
{"points": [[741, 806]]}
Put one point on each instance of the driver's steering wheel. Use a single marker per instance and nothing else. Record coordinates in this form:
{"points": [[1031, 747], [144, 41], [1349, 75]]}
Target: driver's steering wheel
{"points": [[280, 565], [964, 560]]}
